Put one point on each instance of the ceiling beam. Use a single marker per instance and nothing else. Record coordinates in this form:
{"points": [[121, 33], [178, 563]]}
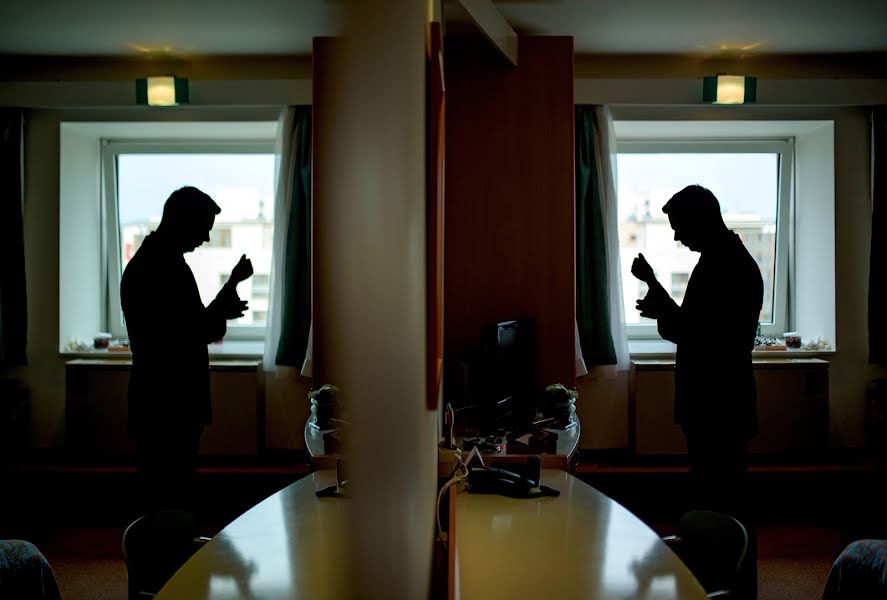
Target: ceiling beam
{"points": [[494, 26]]}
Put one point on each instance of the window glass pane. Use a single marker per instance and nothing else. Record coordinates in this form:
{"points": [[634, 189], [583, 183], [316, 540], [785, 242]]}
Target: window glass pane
{"points": [[241, 184], [746, 185]]}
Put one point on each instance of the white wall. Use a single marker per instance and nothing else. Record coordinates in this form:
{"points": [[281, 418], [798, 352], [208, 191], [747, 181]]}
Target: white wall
{"points": [[813, 252]]}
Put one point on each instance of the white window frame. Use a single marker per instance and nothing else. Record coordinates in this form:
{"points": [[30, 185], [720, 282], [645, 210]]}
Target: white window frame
{"points": [[111, 149], [784, 147]]}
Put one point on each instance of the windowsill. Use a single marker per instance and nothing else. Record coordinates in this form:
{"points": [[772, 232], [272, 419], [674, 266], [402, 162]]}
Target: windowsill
{"points": [[225, 349], [651, 349]]}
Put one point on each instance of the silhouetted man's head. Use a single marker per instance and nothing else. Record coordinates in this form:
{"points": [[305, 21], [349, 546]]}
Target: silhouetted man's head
{"points": [[188, 216], [695, 216]]}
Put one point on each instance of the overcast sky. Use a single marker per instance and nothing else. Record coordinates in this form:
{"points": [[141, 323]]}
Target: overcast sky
{"points": [[235, 181], [742, 183]]}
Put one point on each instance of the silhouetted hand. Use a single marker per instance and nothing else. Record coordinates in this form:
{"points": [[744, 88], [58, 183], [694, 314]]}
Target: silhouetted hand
{"points": [[655, 303], [230, 304], [242, 271], [641, 269]]}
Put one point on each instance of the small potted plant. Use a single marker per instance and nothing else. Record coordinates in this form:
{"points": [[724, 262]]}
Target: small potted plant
{"points": [[560, 403], [324, 406]]}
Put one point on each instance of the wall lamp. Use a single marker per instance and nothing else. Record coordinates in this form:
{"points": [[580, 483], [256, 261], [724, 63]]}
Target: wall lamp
{"points": [[729, 89], [162, 91]]}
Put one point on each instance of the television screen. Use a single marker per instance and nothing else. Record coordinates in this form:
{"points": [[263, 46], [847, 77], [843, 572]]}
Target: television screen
{"points": [[496, 382], [509, 360]]}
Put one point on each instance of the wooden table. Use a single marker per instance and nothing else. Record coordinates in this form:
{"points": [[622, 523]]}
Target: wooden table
{"points": [[289, 546], [581, 544]]}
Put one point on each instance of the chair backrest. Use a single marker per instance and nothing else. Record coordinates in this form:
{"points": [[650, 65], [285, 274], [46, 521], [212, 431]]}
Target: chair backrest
{"points": [[154, 547], [25, 573], [713, 545]]}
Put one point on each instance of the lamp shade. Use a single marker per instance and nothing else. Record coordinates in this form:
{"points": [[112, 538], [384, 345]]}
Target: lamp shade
{"points": [[729, 89], [165, 90]]}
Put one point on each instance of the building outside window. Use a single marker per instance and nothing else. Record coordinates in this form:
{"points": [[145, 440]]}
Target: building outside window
{"points": [[261, 285], [751, 180], [219, 237], [679, 286]]}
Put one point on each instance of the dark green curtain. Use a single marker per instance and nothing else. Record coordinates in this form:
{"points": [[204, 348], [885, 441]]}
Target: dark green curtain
{"points": [[13, 299], [592, 302], [878, 268], [296, 316]]}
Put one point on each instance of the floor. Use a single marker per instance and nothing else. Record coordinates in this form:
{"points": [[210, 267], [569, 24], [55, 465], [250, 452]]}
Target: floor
{"points": [[87, 563], [794, 561], [802, 526], [793, 564]]}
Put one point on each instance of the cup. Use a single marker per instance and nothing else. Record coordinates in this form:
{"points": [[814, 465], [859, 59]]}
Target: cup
{"points": [[792, 339]]}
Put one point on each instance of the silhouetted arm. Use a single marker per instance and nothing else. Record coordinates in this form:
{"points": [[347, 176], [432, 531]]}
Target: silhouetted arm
{"points": [[213, 321], [659, 305], [671, 323], [163, 308], [227, 305], [669, 316]]}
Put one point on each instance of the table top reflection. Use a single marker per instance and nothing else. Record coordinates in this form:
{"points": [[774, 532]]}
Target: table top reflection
{"points": [[289, 546], [581, 544]]}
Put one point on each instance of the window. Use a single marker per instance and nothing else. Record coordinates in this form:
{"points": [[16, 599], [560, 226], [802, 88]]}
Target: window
{"points": [[239, 175], [220, 237], [679, 285], [261, 283], [752, 181]]}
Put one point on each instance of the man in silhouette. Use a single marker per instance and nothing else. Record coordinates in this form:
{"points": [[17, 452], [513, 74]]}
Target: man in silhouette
{"points": [[169, 329], [714, 329]]}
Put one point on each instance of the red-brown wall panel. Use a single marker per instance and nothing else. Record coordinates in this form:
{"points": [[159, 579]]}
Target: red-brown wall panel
{"points": [[509, 236]]}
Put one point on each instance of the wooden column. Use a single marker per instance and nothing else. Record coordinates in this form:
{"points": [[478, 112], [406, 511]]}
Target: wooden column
{"points": [[509, 237]]}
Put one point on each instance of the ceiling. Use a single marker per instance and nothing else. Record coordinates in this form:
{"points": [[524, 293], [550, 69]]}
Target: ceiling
{"points": [[258, 27]]}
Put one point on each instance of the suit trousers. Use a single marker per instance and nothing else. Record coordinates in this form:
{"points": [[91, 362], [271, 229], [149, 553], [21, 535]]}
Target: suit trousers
{"points": [[166, 459], [718, 479]]}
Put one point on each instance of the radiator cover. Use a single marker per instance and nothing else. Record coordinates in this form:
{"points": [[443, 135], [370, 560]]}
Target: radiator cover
{"points": [[792, 407], [96, 409]]}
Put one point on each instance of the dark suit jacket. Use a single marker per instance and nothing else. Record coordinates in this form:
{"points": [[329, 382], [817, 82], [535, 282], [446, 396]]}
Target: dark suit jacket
{"points": [[714, 329], [169, 329]]}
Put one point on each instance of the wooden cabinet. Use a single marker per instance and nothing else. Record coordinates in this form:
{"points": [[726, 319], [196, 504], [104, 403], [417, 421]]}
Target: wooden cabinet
{"points": [[792, 407], [96, 409]]}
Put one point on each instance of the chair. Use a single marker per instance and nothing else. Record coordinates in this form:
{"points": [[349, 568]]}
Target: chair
{"points": [[860, 571], [25, 573], [154, 547], [713, 546]]}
